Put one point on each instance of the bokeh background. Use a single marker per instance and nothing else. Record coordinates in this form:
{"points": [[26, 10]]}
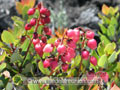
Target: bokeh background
{"points": [[65, 13]]}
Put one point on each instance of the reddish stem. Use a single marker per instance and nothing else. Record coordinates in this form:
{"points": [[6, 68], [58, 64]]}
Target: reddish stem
{"points": [[32, 38]]}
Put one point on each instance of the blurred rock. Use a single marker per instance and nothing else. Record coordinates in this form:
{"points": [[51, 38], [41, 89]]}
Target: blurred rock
{"points": [[7, 9]]}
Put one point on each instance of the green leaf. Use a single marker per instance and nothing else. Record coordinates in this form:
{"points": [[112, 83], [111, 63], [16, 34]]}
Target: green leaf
{"points": [[7, 37], [46, 55], [33, 87], [9, 86], [42, 69], [16, 56], [2, 57], [112, 57], [109, 48], [100, 49], [76, 61], [28, 68], [2, 66], [111, 68], [114, 22], [102, 61], [117, 69], [17, 79], [103, 28], [104, 39], [111, 31], [93, 53], [25, 45], [24, 14], [51, 40]]}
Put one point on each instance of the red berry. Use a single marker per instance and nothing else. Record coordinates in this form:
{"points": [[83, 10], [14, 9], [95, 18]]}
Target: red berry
{"points": [[45, 11], [35, 41], [46, 29], [39, 5], [66, 58], [92, 44], [77, 32], [28, 27], [53, 64], [35, 35], [39, 49], [71, 44], [85, 54], [90, 34], [45, 20], [93, 60], [71, 51], [57, 42], [23, 38], [33, 21], [104, 76], [48, 48], [49, 32], [61, 49], [70, 33], [90, 75], [44, 39], [46, 63], [65, 67], [31, 11]]}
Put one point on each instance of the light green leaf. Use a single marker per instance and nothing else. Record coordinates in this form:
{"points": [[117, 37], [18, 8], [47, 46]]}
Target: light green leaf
{"points": [[27, 68], [7, 37], [51, 40], [42, 69], [117, 69], [112, 57], [109, 48], [15, 56], [2, 66], [104, 39], [33, 87], [25, 45], [76, 61], [100, 49], [102, 61], [9, 86], [93, 53], [103, 28]]}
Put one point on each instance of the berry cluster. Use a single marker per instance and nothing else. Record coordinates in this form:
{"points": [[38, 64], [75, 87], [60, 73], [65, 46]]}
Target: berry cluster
{"points": [[66, 46]]}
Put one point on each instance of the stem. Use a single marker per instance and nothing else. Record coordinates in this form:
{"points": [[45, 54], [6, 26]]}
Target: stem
{"points": [[31, 40], [82, 47]]}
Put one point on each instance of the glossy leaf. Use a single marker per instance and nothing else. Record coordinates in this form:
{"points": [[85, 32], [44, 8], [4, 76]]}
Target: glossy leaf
{"points": [[33, 87], [2, 66], [100, 49], [109, 48], [25, 45], [7, 37], [103, 61], [112, 57]]}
